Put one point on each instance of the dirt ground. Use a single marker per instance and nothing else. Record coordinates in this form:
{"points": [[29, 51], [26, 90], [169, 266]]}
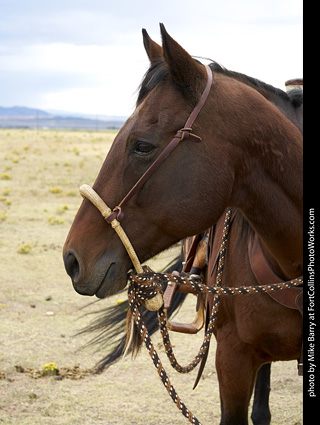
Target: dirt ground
{"points": [[40, 313]]}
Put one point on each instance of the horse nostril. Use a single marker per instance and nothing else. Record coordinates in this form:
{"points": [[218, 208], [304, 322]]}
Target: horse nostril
{"points": [[71, 264]]}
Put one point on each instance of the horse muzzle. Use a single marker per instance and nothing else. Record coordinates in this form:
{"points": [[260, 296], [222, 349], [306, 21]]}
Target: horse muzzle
{"points": [[105, 278]]}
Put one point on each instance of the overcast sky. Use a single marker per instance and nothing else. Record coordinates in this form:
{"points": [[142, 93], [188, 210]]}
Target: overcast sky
{"points": [[88, 56]]}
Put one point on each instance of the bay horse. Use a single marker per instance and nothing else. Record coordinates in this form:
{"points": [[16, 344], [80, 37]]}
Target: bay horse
{"points": [[250, 159]]}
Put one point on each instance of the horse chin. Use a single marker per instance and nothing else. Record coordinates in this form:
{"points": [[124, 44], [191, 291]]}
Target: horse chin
{"points": [[114, 280], [107, 279]]}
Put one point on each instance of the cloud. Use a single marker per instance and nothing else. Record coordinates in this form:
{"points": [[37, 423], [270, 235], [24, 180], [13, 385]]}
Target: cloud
{"points": [[96, 79], [66, 50], [103, 22]]}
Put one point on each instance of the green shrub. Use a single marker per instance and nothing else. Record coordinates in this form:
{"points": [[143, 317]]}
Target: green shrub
{"points": [[25, 249]]}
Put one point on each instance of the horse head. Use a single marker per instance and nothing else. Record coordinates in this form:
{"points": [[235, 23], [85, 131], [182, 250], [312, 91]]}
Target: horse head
{"points": [[192, 187]]}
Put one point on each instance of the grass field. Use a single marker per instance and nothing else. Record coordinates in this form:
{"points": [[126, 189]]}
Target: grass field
{"points": [[40, 173]]}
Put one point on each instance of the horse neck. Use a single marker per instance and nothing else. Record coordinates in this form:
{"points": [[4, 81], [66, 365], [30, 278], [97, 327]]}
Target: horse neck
{"points": [[283, 101], [268, 191], [277, 97], [293, 113]]}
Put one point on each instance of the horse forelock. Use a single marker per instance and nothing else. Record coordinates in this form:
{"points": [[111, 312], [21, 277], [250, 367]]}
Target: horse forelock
{"points": [[156, 73], [159, 72]]}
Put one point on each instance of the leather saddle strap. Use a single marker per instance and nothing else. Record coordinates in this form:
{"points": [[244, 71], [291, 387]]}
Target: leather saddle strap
{"points": [[182, 134], [291, 298], [266, 276]]}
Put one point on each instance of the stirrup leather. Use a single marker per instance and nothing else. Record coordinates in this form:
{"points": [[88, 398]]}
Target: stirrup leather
{"points": [[188, 328]]}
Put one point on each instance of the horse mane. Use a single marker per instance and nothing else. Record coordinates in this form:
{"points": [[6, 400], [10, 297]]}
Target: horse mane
{"points": [[247, 232], [158, 72], [295, 97]]}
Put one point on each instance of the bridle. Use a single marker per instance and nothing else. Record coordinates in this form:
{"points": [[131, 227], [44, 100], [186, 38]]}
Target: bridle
{"points": [[182, 134], [142, 285], [113, 217]]}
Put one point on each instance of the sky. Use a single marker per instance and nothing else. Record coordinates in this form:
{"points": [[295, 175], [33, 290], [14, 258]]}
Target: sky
{"points": [[87, 56]]}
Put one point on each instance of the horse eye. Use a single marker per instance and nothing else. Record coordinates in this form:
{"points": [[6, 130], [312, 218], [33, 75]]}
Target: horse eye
{"points": [[143, 148]]}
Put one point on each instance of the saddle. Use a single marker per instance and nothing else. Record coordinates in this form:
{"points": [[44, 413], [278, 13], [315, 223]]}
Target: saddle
{"points": [[291, 298]]}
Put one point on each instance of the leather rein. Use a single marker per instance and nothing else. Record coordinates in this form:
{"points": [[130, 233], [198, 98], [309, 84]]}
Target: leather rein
{"points": [[182, 134]]}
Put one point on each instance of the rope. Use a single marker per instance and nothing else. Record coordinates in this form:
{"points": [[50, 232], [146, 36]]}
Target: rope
{"points": [[134, 303], [160, 279], [145, 288], [197, 285], [145, 285], [139, 289]]}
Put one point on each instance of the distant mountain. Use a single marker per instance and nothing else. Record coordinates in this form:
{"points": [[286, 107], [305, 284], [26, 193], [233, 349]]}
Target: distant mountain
{"points": [[22, 111], [60, 113], [23, 117]]}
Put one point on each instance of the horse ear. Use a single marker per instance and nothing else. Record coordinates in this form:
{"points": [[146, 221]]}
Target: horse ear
{"points": [[154, 51], [184, 70]]}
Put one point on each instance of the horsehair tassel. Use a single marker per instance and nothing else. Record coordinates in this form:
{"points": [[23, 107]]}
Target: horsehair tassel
{"points": [[86, 191], [130, 330]]}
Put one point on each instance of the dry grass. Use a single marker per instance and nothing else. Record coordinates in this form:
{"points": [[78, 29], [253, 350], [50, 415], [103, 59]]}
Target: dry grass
{"points": [[40, 311]]}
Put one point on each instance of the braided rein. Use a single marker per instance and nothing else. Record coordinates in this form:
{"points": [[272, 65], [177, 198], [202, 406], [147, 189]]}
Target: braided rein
{"points": [[144, 286], [138, 293]]}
